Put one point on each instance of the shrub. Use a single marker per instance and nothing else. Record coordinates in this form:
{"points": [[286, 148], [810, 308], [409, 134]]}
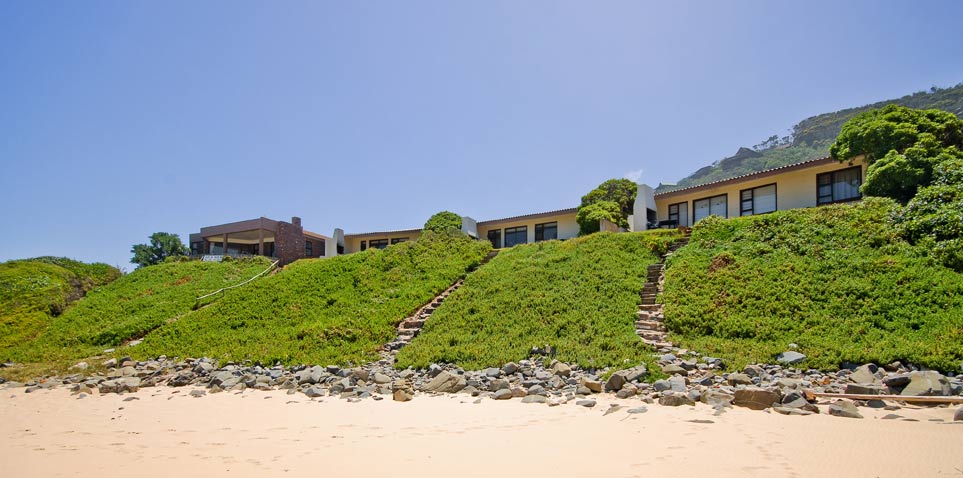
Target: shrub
{"points": [[443, 221]]}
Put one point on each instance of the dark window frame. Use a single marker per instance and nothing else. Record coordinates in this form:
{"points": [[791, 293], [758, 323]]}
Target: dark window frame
{"points": [[364, 245], [378, 243], [514, 230], [832, 181], [540, 231], [710, 198], [498, 233], [396, 240], [678, 205], [308, 249], [742, 201]]}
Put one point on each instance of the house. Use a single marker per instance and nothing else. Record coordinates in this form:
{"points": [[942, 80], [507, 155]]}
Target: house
{"points": [[286, 241], [805, 184]]}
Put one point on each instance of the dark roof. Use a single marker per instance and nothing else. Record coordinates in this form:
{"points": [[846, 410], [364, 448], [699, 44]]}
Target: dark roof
{"points": [[755, 175], [572, 210], [384, 233]]}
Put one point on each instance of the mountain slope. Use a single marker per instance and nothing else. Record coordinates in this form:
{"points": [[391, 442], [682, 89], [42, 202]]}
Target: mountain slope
{"points": [[811, 138]]}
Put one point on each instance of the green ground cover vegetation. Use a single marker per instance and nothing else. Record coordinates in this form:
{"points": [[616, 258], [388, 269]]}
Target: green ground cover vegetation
{"points": [[580, 296], [839, 281], [338, 310]]}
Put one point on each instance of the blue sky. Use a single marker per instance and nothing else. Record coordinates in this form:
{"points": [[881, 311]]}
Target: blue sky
{"points": [[119, 119]]}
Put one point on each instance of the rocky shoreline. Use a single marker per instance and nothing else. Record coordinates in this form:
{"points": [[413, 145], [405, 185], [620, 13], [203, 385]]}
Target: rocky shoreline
{"points": [[692, 378]]}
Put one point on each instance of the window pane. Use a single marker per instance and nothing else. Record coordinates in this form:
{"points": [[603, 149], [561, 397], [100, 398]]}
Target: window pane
{"points": [[683, 214], [764, 199], [516, 235], [846, 184], [701, 210], [495, 236], [546, 232], [718, 206]]}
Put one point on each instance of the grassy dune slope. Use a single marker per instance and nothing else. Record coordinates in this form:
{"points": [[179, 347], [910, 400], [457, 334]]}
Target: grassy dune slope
{"points": [[127, 308], [33, 291], [580, 296], [334, 310], [835, 280]]}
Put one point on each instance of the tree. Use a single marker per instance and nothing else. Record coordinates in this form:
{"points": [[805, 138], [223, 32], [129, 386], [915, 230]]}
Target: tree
{"points": [[444, 221], [935, 215], [901, 147], [162, 245], [612, 200]]}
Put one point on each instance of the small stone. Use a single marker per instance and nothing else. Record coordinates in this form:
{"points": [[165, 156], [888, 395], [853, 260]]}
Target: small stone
{"points": [[535, 399], [592, 385], [80, 366], [739, 379], [636, 410], [110, 363], [675, 400], [890, 416], [958, 416], [314, 391], [673, 369], [755, 398], [790, 357], [614, 383], [585, 403], [401, 395], [198, 393], [502, 394], [498, 384], [509, 368], [561, 369], [791, 411], [844, 408]]}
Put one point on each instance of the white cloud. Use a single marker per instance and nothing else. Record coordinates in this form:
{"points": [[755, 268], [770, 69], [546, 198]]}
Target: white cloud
{"points": [[634, 176]]}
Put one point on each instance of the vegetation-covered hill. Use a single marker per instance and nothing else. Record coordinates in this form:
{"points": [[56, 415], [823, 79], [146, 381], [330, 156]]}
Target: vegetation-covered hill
{"points": [[578, 296], [33, 291], [810, 139], [837, 280], [322, 311]]}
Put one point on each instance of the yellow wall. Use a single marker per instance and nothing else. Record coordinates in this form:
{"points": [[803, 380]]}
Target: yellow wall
{"points": [[794, 189], [567, 227], [353, 244]]}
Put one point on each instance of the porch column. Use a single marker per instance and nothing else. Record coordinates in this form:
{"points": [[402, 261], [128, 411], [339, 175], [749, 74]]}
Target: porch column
{"points": [[260, 242], [224, 248]]}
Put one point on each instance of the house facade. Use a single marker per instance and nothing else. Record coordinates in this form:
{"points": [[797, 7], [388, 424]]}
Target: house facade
{"points": [[805, 184]]}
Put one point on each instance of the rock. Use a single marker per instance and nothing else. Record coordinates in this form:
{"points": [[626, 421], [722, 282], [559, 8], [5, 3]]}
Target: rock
{"points": [[926, 383], [592, 385], [661, 385], [314, 391], [865, 374], [203, 368], [633, 374], [790, 357], [628, 390], [715, 398], [675, 400], [446, 382], [863, 389], [110, 363], [637, 410], [560, 369], [492, 372], [502, 394], [586, 403], [791, 411], [583, 390], [713, 361], [519, 392], [333, 369], [537, 390], [181, 379], [361, 374], [844, 408], [381, 378], [80, 366], [896, 383], [402, 395], [754, 371], [958, 416], [119, 385], [614, 383], [498, 384], [739, 379], [677, 384], [673, 369], [196, 393], [535, 399], [755, 398], [509, 368]]}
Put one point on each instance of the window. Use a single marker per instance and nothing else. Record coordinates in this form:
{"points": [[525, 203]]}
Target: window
{"points": [[308, 249], [323, 248], [679, 212], [378, 243], [757, 200], [495, 237], [399, 239], [364, 245], [516, 235], [703, 208], [546, 232], [839, 186]]}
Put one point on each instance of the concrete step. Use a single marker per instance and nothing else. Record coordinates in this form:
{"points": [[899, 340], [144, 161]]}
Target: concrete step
{"points": [[652, 336], [649, 324]]}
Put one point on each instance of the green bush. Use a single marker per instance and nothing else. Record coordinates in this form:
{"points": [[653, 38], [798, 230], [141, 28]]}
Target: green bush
{"points": [[839, 281], [443, 222], [579, 296], [334, 310]]}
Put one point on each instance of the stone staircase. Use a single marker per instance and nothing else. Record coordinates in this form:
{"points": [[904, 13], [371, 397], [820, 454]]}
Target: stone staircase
{"points": [[649, 325], [410, 327]]}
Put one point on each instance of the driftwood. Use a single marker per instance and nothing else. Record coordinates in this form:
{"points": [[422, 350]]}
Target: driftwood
{"points": [[810, 395]]}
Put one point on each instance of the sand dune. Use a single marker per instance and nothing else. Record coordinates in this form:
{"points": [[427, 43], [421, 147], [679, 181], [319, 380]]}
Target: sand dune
{"points": [[160, 433]]}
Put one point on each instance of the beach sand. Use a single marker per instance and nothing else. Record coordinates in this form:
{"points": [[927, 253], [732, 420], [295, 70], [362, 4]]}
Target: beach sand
{"points": [[163, 433]]}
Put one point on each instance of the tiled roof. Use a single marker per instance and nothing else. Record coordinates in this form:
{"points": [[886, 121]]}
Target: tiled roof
{"points": [[383, 233], [755, 175], [572, 210]]}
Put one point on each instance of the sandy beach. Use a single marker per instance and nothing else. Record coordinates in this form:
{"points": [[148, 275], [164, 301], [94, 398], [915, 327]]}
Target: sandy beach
{"points": [[162, 431]]}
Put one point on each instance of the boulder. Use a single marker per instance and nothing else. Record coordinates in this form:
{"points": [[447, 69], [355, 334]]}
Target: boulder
{"points": [[586, 403], [863, 389], [119, 385], [535, 399], [401, 395], [498, 384], [592, 385], [926, 383], [958, 416], [614, 383], [844, 408], [865, 374], [790, 357], [446, 382], [492, 372], [561, 369], [739, 379], [673, 369], [715, 398], [381, 378], [677, 384], [754, 371], [181, 379], [755, 398], [502, 394], [509, 368], [314, 391], [675, 400]]}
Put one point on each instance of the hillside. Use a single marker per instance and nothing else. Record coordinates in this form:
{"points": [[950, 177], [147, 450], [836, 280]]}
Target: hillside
{"points": [[579, 296], [321, 311], [126, 308], [835, 280], [810, 139], [34, 291]]}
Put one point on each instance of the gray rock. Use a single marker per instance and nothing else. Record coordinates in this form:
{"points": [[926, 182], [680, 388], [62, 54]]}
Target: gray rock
{"points": [[492, 372], [502, 394], [196, 393], [614, 383], [715, 398], [509, 368], [637, 410], [791, 411], [958, 416], [926, 383], [592, 385], [119, 385], [110, 363], [844, 408], [586, 403], [498, 384], [713, 361], [80, 366], [203, 368], [863, 389], [755, 398], [739, 379], [673, 369], [381, 378], [314, 391], [790, 357], [675, 400], [896, 383], [333, 369], [677, 384], [865, 374], [561, 369], [537, 390], [446, 382], [754, 371], [535, 399]]}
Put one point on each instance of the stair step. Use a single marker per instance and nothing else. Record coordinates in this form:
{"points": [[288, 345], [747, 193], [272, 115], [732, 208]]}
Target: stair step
{"points": [[650, 324], [650, 335]]}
